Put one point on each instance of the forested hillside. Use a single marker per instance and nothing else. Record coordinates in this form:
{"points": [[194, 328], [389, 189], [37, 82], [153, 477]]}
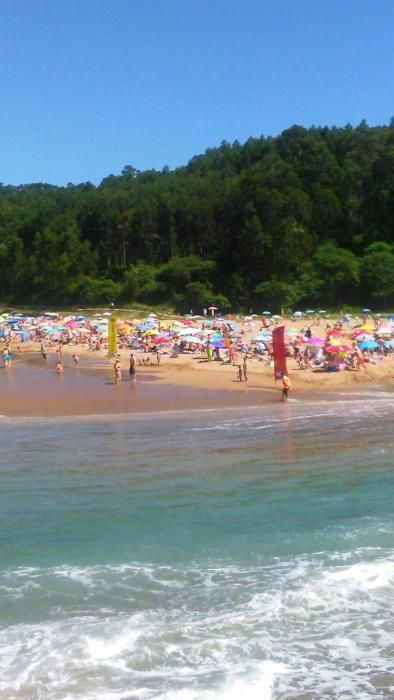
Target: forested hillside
{"points": [[306, 218]]}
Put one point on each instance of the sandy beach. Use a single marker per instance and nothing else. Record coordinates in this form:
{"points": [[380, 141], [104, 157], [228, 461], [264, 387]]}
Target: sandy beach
{"points": [[31, 386]]}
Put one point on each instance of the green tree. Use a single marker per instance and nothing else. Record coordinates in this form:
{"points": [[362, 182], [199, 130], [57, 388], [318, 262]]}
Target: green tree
{"points": [[339, 270], [377, 273]]}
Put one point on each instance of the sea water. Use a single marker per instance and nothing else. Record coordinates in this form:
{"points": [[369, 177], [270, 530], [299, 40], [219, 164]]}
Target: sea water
{"points": [[199, 555]]}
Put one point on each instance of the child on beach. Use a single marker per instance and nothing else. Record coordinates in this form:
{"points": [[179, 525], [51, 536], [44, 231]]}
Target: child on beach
{"points": [[286, 387], [7, 357], [118, 371]]}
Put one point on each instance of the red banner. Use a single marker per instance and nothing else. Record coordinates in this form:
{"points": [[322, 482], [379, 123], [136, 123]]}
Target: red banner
{"points": [[279, 350]]}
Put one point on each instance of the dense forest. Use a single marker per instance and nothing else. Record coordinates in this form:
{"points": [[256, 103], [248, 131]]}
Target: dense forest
{"points": [[302, 219]]}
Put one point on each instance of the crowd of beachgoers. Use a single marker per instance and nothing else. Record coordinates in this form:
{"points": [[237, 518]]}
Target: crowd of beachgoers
{"points": [[314, 341]]}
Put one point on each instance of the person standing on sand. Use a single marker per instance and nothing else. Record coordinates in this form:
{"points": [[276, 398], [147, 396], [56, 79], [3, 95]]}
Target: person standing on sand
{"points": [[132, 367], [286, 386], [7, 357], [118, 371], [245, 368]]}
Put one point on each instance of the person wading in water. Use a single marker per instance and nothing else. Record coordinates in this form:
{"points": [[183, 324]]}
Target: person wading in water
{"points": [[286, 386]]}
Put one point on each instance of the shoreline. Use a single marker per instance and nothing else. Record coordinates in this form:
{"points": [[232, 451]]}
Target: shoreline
{"points": [[31, 388]]}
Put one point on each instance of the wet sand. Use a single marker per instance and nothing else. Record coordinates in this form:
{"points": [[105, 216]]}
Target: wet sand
{"points": [[31, 386], [33, 389]]}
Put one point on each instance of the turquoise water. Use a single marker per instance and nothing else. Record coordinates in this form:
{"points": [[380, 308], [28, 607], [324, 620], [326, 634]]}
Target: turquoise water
{"points": [[209, 554]]}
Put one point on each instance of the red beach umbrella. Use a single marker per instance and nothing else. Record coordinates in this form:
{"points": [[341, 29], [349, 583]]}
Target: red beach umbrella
{"points": [[338, 348]]}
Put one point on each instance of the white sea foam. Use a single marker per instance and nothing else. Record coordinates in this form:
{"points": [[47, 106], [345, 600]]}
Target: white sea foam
{"points": [[317, 625]]}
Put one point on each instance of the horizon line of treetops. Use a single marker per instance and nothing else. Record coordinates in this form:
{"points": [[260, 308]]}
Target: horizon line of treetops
{"points": [[304, 218]]}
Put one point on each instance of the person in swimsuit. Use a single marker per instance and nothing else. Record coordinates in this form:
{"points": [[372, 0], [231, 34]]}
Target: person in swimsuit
{"points": [[118, 371], [132, 367], [286, 387]]}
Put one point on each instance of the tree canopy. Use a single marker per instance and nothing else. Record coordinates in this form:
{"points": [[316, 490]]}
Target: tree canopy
{"points": [[303, 218]]}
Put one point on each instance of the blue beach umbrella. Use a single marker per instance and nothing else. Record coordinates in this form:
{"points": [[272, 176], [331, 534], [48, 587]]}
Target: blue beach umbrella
{"points": [[368, 345], [264, 337], [215, 343], [366, 311]]}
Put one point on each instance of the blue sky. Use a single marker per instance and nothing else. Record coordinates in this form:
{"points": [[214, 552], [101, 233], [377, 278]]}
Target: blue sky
{"points": [[88, 86]]}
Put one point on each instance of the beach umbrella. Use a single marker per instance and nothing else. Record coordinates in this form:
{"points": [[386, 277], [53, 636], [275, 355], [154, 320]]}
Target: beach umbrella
{"points": [[366, 311], [191, 339], [261, 337], [338, 348], [315, 341], [188, 331], [266, 313], [364, 336], [385, 330], [145, 326], [389, 343], [334, 332], [368, 344], [310, 311], [161, 339], [215, 343]]}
